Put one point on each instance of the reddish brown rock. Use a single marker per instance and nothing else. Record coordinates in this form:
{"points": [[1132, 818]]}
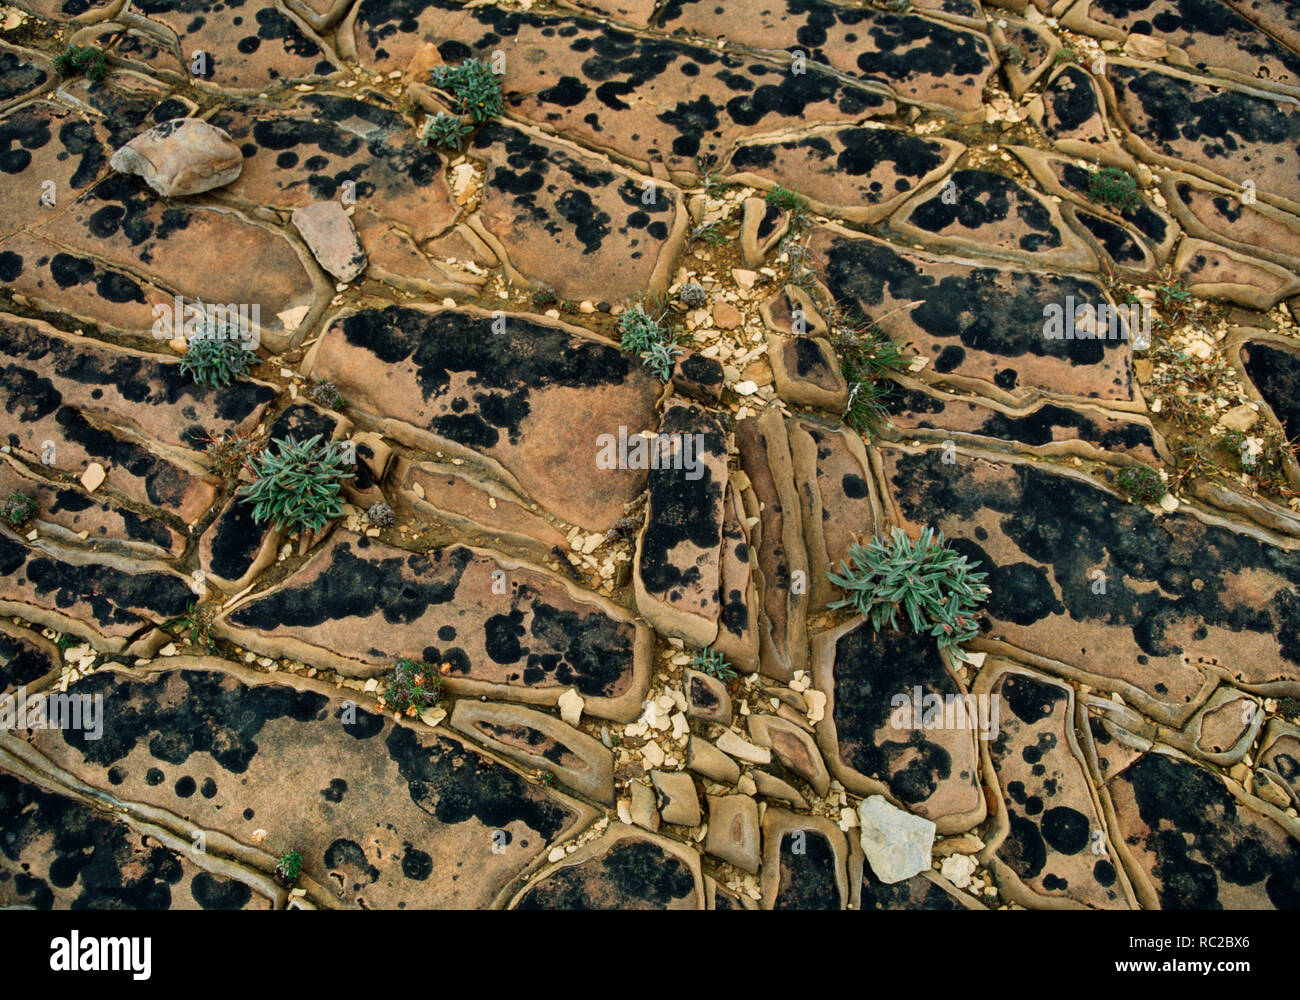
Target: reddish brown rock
{"points": [[517, 393], [328, 233], [734, 834], [676, 575], [499, 627], [793, 747]]}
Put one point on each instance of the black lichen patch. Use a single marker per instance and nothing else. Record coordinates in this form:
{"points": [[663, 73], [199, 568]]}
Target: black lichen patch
{"points": [[22, 661], [632, 875], [17, 76], [808, 873], [236, 540], [1276, 374], [454, 786], [504, 370], [871, 668], [111, 598], [683, 510], [1201, 839], [1121, 247], [983, 201], [1159, 571], [188, 712], [1072, 102], [53, 843], [970, 307], [916, 893]]}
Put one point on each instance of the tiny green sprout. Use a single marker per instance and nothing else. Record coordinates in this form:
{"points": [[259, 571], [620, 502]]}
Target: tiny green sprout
{"points": [[710, 661]]}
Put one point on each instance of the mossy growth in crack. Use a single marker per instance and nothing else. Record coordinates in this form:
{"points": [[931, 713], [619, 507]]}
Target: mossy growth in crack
{"points": [[413, 686], [935, 589], [84, 60], [195, 627], [17, 510], [288, 866], [297, 483], [1141, 483], [1115, 188]]}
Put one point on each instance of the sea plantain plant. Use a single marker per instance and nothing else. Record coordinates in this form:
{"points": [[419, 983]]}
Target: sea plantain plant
{"points": [[297, 483], [216, 362], [475, 87], [713, 663], [936, 589], [412, 687]]}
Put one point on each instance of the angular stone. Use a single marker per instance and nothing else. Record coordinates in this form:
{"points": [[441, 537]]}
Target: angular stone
{"points": [[804, 863], [67, 855], [761, 228], [699, 377], [976, 322], [793, 747], [730, 743], [180, 157], [1192, 841], [1049, 845], [625, 869], [983, 213], [592, 213], [1222, 607], [857, 174], [837, 498], [705, 759], [232, 735], [706, 698], [677, 571], [777, 537], [445, 380], [897, 844], [452, 495], [678, 801], [373, 458], [734, 834], [772, 787], [872, 735], [357, 604], [540, 741], [328, 233], [645, 806]]}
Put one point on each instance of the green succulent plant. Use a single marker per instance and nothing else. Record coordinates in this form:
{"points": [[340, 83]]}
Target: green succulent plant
{"points": [[326, 394], [475, 87], [935, 589], [444, 129], [288, 866], [214, 362], [297, 483], [659, 358], [639, 329], [713, 663]]}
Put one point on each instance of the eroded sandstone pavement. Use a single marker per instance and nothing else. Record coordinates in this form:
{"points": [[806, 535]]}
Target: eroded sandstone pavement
{"points": [[565, 530]]}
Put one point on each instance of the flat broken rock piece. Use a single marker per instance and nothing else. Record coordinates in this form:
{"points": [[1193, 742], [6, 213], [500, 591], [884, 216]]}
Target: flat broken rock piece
{"points": [[328, 233], [180, 157]]}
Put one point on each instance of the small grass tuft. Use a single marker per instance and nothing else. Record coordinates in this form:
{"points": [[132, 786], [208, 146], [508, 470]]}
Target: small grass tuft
{"points": [[446, 130], [86, 60], [17, 510], [1141, 483], [1115, 188], [710, 661], [413, 687]]}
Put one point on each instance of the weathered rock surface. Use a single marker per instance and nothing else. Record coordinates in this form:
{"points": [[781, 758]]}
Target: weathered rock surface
{"points": [[181, 157]]}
